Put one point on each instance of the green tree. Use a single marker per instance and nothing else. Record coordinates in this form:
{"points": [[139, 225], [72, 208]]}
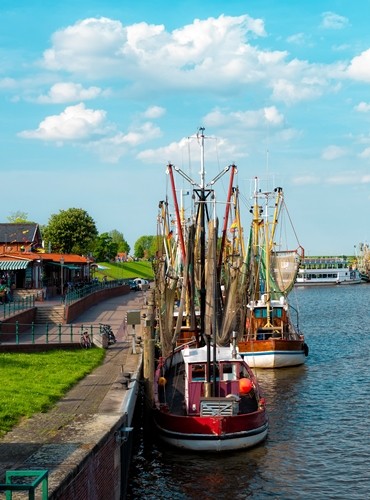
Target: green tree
{"points": [[19, 217], [156, 245], [118, 238], [71, 231], [105, 249], [143, 247]]}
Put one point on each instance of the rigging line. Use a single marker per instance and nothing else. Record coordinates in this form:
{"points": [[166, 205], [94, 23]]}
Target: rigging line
{"points": [[190, 170], [290, 220], [217, 154]]}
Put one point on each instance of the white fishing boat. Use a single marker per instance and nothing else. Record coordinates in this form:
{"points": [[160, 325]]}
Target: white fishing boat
{"points": [[271, 338], [327, 271]]}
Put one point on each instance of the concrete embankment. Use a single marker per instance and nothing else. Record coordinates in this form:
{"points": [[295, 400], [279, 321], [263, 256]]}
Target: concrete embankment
{"points": [[84, 440]]}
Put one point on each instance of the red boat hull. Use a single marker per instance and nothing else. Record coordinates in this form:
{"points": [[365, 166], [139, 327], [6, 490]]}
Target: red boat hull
{"points": [[214, 433]]}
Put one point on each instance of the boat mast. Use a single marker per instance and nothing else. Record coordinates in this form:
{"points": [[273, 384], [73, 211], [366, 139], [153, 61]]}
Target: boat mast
{"points": [[202, 200], [226, 219], [256, 252], [278, 199], [178, 218], [269, 242]]}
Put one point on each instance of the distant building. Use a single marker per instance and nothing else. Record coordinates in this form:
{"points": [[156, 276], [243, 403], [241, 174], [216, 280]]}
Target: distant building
{"points": [[121, 257], [24, 263], [20, 237]]}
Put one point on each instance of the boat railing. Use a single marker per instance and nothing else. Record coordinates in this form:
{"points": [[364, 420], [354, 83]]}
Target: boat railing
{"points": [[296, 314]]}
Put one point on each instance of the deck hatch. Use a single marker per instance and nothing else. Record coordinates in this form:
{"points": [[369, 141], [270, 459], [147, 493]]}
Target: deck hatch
{"points": [[212, 407]]}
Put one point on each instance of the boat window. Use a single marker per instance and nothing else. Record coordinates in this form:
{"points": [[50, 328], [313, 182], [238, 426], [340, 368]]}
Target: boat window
{"points": [[260, 312], [277, 312], [198, 372], [243, 372], [227, 371]]}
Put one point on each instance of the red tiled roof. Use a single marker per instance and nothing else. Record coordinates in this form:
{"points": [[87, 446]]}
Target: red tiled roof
{"points": [[51, 257]]}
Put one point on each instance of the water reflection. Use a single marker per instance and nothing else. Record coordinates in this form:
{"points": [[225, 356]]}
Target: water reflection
{"points": [[318, 444]]}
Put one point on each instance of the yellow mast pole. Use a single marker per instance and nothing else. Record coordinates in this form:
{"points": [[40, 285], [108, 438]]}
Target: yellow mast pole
{"points": [[255, 236], [269, 246]]}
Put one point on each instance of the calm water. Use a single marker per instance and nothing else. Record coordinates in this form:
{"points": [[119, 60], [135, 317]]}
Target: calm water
{"points": [[319, 440]]}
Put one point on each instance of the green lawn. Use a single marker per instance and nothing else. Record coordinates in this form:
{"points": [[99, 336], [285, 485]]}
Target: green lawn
{"points": [[32, 383], [125, 270]]}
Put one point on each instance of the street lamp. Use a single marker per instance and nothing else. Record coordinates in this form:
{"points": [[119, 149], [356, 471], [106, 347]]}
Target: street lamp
{"points": [[88, 268], [61, 275]]}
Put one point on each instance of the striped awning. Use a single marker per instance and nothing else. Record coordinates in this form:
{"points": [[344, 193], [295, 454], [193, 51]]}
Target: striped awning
{"points": [[13, 265]]}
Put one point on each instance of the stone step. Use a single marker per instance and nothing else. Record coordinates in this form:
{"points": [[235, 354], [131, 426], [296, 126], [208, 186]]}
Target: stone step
{"points": [[50, 314]]}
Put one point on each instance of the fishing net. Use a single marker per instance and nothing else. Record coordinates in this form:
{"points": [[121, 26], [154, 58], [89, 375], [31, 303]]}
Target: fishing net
{"points": [[284, 269]]}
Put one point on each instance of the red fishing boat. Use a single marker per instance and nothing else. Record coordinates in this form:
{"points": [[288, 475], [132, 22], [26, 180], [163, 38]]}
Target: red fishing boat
{"points": [[206, 398]]}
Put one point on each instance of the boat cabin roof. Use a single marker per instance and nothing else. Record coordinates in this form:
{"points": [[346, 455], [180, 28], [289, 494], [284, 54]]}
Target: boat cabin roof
{"points": [[199, 355], [275, 303]]}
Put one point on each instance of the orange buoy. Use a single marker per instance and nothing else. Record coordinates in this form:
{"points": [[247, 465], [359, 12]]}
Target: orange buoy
{"points": [[162, 381], [245, 385]]}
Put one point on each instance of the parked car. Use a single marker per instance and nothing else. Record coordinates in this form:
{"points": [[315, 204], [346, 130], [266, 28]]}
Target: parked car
{"points": [[140, 284]]}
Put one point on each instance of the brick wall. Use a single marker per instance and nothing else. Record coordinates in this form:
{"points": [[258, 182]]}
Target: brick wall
{"points": [[77, 308], [97, 477], [24, 318]]}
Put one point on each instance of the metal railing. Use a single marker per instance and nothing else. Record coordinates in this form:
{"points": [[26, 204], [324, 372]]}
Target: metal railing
{"points": [[78, 293], [40, 477], [50, 333], [10, 308]]}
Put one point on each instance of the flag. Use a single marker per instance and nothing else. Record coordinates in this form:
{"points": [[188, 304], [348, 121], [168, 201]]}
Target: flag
{"points": [[234, 226]]}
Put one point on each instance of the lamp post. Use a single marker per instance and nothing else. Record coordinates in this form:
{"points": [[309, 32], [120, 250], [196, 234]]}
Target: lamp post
{"points": [[61, 275], [88, 268]]}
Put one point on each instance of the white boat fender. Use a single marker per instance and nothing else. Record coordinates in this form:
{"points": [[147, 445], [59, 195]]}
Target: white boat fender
{"points": [[235, 397]]}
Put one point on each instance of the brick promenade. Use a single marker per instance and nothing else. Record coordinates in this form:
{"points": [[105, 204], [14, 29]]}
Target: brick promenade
{"points": [[59, 439]]}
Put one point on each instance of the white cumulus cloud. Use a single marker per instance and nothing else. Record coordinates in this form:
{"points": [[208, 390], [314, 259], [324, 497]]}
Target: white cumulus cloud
{"points": [[333, 152], [247, 119], [216, 54], [363, 107], [331, 20], [294, 90], [359, 67], [154, 112], [297, 39], [186, 57], [304, 180], [74, 123], [365, 154], [88, 47], [111, 149], [69, 92], [7, 83]]}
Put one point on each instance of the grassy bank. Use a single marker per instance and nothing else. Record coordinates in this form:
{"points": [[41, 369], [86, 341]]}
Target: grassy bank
{"points": [[32, 383], [124, 270]]}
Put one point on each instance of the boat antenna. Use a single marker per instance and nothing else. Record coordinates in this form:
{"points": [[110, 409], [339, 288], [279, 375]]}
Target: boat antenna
{"points": [[200, 134]]}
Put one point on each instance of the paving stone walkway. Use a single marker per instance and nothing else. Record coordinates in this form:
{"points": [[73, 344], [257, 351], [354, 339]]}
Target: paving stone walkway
{"points": [[49, 440]]}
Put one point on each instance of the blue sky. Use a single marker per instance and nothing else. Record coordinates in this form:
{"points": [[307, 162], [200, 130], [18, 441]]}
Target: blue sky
{"points": [[96, 97]]}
